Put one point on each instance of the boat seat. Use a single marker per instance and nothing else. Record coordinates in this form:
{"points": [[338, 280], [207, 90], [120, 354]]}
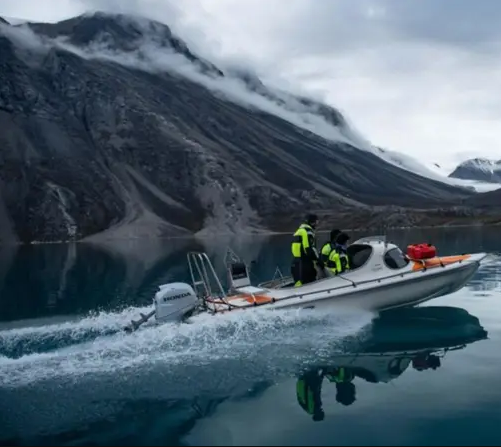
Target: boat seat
{"points": [[239, 275]]}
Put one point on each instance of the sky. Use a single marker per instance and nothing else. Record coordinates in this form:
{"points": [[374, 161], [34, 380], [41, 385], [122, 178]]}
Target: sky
{"points": [[421, 77]]}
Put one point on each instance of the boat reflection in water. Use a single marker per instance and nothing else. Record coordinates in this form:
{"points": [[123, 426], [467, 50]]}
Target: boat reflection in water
{"points": [[417, 338]]}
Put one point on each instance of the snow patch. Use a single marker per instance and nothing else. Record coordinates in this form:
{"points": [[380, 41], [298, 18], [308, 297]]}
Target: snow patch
{"points": [[482, 164], [434, 172]]}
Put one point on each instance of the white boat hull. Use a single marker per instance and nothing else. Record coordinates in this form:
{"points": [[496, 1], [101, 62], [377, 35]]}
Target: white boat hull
{"points": [[390, 293]]}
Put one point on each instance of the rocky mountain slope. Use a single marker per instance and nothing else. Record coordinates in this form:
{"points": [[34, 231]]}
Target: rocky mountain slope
{"points": [[112, 127], [490, 200], [480, 169]]}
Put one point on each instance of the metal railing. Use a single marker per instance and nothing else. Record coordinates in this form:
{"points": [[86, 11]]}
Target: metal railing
{"points": [[277, 281], [203, 275]]}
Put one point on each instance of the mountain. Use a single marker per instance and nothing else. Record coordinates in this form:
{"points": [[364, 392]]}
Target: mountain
{"points": [[480, 169], [2, 20], [114, 128], [490, 200]]}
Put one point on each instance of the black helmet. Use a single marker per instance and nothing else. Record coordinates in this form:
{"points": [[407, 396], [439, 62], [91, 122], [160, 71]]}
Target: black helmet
{"points": [[319, 415], [334, 234], [342, 238], [346, 393], [311, 218]]}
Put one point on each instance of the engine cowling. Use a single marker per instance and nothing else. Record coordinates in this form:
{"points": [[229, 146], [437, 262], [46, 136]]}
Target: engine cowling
{"points": [[173, 301]]}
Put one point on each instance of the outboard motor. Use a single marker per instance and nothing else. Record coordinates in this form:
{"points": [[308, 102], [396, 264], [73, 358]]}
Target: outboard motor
{"points": [[174, 301]]}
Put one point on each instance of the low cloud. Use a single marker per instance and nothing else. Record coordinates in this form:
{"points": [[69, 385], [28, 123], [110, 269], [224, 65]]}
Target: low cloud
{"points": [[435, 103], [24, 38], [153, 58]]}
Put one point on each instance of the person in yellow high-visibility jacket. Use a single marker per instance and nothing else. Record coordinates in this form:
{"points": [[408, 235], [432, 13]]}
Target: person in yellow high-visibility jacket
{"points": [[338, 261], [304, 252], [329, 245], [309, 389]]}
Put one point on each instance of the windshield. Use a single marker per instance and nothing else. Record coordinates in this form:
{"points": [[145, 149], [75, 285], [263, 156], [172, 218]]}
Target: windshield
{"points": [[395, 259]]}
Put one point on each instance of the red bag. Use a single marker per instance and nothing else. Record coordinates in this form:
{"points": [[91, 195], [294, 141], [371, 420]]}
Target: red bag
{"points": [[421, 251]]}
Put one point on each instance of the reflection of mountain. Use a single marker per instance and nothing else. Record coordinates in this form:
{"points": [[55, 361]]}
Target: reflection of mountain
{"points": [[7, 254], [77, 278], [143, 421], [131, 430], [415, 337], [56, 279]]}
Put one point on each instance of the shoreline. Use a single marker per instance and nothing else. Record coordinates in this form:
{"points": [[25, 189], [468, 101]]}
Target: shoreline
{"points": [[269, 233]]}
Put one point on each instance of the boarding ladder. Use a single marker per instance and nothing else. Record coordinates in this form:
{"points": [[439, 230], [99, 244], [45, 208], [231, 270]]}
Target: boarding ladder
{"points": [[204, 278]]}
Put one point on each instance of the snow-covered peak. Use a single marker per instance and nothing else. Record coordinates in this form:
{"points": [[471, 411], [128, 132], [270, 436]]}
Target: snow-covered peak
{"points": [[481, 164], [435, 171], [479, 169]]}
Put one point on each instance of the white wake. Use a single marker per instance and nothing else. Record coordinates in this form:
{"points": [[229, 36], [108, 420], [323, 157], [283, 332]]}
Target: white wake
{"points": [[269, 338]]}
